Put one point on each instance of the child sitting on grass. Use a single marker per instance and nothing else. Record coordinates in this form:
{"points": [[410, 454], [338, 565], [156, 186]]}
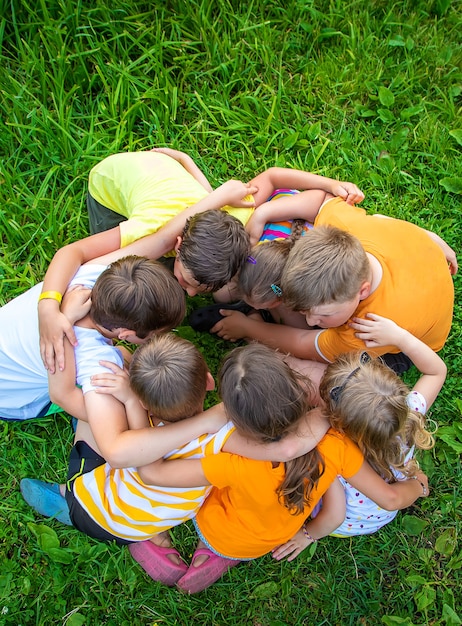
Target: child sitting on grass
{"points": [[131, 299], [255, 506], [370, 404], [170, 377]]}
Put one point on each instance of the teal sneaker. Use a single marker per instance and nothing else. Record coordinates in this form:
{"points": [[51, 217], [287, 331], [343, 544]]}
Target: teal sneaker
{"points": [[46, 499]]}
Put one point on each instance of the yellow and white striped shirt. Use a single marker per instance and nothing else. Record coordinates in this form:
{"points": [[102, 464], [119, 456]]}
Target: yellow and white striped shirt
{"points": [[119, 501]]}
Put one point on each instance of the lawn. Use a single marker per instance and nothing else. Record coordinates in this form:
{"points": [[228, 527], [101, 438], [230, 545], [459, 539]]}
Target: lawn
{"points": [[362, 91]]}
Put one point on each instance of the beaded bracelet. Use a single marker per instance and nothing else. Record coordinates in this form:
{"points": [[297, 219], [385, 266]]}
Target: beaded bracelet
{"points": [[51, 295], [307, 534], [424, 489]]}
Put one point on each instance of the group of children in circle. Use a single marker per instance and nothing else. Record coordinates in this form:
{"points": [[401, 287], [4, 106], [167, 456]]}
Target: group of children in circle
{"points": [[315, 434]]}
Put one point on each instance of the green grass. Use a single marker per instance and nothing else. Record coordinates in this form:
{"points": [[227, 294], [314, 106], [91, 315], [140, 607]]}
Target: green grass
{"points": [[362, 91]]}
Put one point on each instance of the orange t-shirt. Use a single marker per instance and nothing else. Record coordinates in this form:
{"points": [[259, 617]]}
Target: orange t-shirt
{"points": [[242, 516], [416, 290]]}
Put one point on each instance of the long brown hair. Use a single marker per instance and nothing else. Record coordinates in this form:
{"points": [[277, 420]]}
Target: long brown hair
{"points": [[265, 399]]}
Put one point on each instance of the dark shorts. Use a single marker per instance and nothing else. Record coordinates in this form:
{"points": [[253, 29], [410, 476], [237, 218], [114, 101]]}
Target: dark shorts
{"points": [[101, 218], [82, 460], [399, 362]]}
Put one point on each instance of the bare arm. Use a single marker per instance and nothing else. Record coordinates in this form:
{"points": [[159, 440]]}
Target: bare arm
{"points": [[53, 324], [175, 473], [188, 164], [329, 518], [376, 330], [304, 205], [295, 341], [62, 388], [116, 382], [131, 448], [310, 430], [278, 177], [389, 496]]}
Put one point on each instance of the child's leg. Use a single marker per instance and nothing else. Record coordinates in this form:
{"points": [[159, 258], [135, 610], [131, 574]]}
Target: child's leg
{"points": [[83, 433]]}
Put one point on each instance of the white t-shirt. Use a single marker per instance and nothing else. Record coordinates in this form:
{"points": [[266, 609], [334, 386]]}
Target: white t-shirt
{"points": [[23, 377]]}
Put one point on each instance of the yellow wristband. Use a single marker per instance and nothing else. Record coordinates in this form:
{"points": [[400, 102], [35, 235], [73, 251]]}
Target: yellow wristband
{"points": [[51, 295]]}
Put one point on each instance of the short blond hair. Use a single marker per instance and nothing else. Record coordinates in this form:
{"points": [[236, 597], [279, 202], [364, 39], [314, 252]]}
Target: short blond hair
{"points": [[169, 376], [329, 265]]}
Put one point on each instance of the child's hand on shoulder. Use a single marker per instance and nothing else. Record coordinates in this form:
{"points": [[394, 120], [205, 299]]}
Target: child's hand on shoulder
{"points": [[237, 194], [376, 330], [115, 382], [76, 303], [292, 548]]}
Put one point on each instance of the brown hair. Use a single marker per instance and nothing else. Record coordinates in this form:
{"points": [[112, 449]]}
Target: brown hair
{"points": [[139, 294], [169, 375], [327, 266], [260, 278], [367, 401], [265, 399], [215, 246]]}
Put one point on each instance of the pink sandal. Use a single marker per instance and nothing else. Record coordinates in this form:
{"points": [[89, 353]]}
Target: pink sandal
{"points": [[199, 578], [154, 560]]}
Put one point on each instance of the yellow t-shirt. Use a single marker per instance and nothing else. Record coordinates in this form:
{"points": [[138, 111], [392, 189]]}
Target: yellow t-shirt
{"points": [[148, 188], [416, 290], [242, 517]]}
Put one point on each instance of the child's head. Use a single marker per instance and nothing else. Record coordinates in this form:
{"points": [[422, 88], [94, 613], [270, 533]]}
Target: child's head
{"points": [[266, 399], [262, 395], [328, 266], [170, 377], [367, 401], [138, 294], [260, 278], [212, 249]]}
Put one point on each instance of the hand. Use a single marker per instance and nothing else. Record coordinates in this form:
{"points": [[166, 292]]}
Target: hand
{"points": [[348, 191], [116, 382], [76, 303], [255, 226], [292, 548], [231, 327], [53, 328], [236, 193], [376, 331]]}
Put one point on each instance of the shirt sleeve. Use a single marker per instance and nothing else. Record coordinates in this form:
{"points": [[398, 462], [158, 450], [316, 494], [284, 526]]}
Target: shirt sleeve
{"points": [[225, 469]]}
